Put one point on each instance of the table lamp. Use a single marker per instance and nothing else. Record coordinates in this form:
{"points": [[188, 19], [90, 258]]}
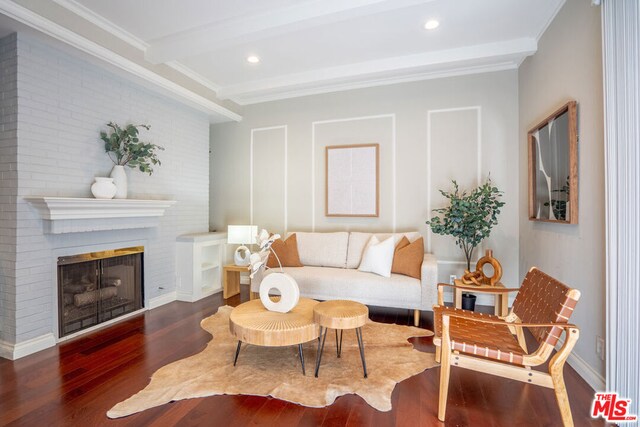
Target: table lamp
{"points": [[242, 235]]}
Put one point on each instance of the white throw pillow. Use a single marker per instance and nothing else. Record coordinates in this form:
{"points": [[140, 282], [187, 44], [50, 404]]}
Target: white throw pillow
{"points": [[378, 256]]}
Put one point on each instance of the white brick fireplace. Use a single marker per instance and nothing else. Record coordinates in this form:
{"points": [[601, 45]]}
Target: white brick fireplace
{"points": [[54, 104]]}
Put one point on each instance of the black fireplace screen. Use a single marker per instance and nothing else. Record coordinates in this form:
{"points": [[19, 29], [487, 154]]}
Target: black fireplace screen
{"points": [[98, 286]]}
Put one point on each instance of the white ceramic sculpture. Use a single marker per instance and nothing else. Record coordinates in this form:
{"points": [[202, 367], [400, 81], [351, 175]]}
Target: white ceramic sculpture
{"points": [[286, 286], [282, 282], [103, 188]]}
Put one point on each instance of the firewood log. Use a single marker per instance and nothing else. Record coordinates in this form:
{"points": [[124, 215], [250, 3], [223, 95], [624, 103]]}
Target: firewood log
{"points": [[90, 297]]}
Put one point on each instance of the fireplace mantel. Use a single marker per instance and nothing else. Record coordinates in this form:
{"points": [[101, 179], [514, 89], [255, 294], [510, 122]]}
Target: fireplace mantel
{"points": [[71, 215]]}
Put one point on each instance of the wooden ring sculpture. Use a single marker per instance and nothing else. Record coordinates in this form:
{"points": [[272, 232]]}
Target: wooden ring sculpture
{"points": [[478, 277]]}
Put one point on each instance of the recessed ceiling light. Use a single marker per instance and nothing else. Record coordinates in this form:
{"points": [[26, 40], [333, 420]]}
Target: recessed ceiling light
{"points": [[253, 59], [431, 24]]}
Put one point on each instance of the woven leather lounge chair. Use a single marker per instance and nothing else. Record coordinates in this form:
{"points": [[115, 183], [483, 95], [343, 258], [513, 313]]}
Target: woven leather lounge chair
{"points": [[494, 345]]}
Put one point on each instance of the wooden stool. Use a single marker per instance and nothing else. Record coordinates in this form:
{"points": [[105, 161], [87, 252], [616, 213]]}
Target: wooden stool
{"points": [[340, 315], [251, 323]]}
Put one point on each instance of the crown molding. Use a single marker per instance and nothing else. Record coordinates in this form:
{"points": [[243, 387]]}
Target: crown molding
{"points": [[552, 16], [37, 22], [127, 37], [197, 77], [101, 22], [362, 84], [429, 65]]}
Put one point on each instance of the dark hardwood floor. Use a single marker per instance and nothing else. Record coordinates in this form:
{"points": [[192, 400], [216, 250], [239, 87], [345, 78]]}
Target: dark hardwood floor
{"points": [[76, 383]]}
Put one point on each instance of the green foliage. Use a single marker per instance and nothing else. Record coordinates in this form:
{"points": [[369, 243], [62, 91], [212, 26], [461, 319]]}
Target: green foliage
{"points": [[559, 206], [469, 217], [123, 147]]}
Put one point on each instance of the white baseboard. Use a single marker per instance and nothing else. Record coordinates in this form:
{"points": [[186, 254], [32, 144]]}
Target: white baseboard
{"points": [[162, 300], [6, 350], [25, 348], [586, 371]]}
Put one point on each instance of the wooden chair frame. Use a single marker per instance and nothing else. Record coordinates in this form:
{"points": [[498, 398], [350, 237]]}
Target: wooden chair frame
{"points": [[554, 379]]}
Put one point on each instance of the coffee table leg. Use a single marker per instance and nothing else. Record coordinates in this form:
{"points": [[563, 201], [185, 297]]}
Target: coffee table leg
{"points": [[235, 360], [361, 346], [320, 349], [339, 344], [301, 353]]}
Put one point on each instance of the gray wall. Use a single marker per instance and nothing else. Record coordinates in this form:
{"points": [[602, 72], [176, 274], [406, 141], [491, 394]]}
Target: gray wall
{"points": [[8, 184], [63, 103], [568, 65], [429, 133]]}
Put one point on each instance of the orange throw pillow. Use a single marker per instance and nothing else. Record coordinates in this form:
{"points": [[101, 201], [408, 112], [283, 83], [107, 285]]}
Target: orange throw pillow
{"points": [[407, 258], [287, 252]]}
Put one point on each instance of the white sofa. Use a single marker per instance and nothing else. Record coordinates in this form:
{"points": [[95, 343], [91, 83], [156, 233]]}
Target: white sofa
{"points": [[330, 272]]}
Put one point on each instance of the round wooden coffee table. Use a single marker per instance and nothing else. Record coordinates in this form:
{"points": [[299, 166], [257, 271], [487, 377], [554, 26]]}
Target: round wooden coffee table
{"points": [[252, 323], [340, 315]]}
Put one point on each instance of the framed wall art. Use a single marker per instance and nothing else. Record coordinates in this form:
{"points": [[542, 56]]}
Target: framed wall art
{"points": [[553, 167], [352, 180]]}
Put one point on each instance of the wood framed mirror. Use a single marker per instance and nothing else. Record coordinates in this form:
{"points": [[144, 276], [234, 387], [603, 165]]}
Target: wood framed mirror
{"points": [[553, 167]]}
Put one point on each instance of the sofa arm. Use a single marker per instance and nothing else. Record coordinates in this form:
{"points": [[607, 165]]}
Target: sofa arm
{"points": [[429, 281]]}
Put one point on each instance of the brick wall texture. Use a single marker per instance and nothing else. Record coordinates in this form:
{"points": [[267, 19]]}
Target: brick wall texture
{"points": [[51, 148]]}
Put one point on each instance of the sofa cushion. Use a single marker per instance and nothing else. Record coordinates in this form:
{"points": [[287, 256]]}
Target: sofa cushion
{"points": [[378, 257], [358, 241], [323, 249], [286, 251], [407, 258], [345, 283]]}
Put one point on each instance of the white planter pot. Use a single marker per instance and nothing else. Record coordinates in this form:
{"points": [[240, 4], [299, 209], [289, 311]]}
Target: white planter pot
{"points": [[119, 176], [103, 188]]}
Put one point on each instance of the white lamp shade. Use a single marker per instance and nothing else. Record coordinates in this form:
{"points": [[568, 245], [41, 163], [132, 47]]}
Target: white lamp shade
{"points": [[242, 234]]}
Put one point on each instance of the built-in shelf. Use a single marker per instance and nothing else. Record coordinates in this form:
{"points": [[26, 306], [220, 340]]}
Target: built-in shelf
{"points": [[199, 261], [209, 266], [70, 214]]}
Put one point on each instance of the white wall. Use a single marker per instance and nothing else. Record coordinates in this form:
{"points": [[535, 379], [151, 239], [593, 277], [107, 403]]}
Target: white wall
{"points": [[568, 65], [63, 103], [429, 132]]}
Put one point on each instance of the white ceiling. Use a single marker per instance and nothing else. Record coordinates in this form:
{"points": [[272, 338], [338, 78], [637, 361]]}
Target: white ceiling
{"points": [[315, 46]]}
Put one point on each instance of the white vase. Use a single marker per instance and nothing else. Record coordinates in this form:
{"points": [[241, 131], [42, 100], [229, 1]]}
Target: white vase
{"points": [[119, 176], [103, 188]]}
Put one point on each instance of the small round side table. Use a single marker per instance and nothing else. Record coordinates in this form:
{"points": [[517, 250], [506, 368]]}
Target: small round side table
{"points": [[340, 315]]}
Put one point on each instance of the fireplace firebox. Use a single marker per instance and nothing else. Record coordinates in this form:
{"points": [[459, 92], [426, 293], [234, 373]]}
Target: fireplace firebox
{"points": [[98, 286]]}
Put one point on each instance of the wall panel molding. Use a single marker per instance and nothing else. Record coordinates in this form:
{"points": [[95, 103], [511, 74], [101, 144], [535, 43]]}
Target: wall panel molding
{"points": [[391, 116], [285, 171], [430, 113]]}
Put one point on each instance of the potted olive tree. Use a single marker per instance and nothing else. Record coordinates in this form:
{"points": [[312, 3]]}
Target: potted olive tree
{"points": [[469, 217], [124, 148]]}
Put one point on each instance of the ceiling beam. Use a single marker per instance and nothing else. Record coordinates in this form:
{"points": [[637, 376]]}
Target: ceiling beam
{"points": [[509, 52], [27, 17], [302, 15]]}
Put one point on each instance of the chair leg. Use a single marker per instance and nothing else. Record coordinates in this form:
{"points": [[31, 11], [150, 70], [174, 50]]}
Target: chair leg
{"points": [[416, 318], [556, 366], [562, 398], [445, 369], [438, 353]]}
